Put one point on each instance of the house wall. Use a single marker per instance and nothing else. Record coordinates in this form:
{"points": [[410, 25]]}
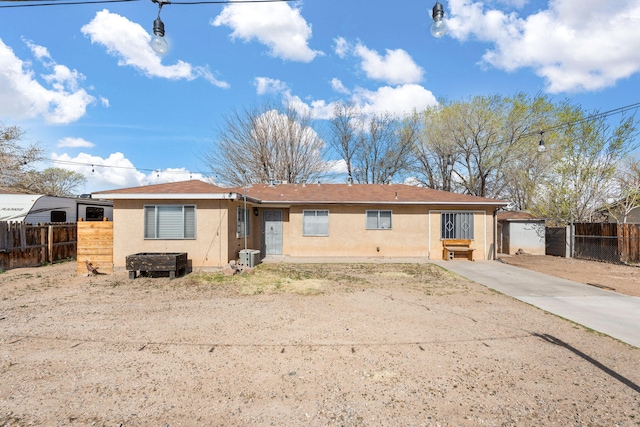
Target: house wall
{"points": [[235, 243], [415, 232], [209, 249], [483, 232], [528, 236], [348, 235]]}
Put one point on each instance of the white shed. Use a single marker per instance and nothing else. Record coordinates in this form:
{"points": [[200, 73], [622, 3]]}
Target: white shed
{"points": [[520, 231], [38, 208]]}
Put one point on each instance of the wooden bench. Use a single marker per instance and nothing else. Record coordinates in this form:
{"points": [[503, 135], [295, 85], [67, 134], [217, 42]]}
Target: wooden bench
{"points": [[451, 246]]}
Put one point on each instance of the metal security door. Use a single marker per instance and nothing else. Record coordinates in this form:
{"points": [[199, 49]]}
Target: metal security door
{"points": [[272, 232]]}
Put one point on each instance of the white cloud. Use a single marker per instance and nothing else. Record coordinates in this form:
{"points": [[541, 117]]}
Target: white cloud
{"points": [[337, 86], [40, 52], [337, 166], [396, 100], [58, 98], [318, 109], [74, 143], [342, 47], [279, 26], [104, 101], [396, 67], [129, 42], [572, 48], [116, 171], [265, 85]]}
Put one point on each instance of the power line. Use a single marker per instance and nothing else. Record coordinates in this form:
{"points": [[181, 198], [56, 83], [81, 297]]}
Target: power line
{"points": [[594, 116], [37, 3]]}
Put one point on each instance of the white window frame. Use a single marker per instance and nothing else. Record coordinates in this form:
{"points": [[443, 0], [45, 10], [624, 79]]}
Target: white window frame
{"points": [[455, 232], [243, 225], [315, 232], [153, 215], [378, 225]]}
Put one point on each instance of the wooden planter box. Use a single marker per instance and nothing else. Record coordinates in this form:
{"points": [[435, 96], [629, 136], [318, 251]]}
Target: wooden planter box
{"points": [[173, 262]]}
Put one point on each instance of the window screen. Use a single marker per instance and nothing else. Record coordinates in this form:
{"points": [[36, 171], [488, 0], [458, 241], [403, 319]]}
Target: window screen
{"points": [[378, 220], [243, 223], [315, 223], [169, 222]]}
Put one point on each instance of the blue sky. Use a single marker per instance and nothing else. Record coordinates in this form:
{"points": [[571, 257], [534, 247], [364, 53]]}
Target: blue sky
{"points": [[83, 81]]}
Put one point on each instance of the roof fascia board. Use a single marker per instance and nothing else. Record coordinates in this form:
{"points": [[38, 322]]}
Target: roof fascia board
{"points": [[172, 196], [373, 202]]}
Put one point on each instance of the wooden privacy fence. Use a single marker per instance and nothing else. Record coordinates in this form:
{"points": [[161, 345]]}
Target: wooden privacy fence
{"points": [[608, 242], [95, 245], [27, 245]]}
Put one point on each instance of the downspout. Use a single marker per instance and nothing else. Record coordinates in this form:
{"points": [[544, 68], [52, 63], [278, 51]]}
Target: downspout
{"points": [[495, 232]]}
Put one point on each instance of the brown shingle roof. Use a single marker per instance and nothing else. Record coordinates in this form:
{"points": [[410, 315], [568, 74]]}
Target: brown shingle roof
{"points": [[357, 193], [193, 186], [313, 193], [514, 215]]}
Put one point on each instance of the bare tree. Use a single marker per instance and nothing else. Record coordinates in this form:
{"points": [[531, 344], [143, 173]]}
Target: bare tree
{"points": [[16, 156], [376, 147], [343, 131], [266, 143], [51, 182]]}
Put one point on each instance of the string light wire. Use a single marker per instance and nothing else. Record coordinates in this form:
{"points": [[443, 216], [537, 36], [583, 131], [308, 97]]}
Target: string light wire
{"points": [[595, 116], [38, 3]]}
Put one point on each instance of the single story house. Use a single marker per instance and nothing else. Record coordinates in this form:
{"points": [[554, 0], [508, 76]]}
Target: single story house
{"points": [[521, 231], [212, 224]]}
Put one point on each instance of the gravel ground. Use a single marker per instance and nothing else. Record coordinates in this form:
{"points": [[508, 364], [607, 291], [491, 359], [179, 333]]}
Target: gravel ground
{"points": [[313, 345]]}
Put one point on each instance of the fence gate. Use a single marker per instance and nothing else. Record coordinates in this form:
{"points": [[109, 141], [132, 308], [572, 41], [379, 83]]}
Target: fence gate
{"points": [[556, 241], [95, 245]]}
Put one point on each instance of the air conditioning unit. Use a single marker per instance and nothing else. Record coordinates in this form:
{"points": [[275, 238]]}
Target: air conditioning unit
{"points": [[250, 257]]}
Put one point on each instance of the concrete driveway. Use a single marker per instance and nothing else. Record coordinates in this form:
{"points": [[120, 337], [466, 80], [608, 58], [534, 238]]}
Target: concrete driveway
{"points": [[604, 311]]}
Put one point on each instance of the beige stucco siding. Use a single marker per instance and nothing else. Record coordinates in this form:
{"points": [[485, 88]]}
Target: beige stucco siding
{"points": [[209, 249], [483, 237], [415, 232], [235, 243], [348, 235]]}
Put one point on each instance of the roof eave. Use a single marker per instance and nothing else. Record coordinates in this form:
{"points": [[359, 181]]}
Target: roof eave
{"points": [[374, 202], [173, 196]]}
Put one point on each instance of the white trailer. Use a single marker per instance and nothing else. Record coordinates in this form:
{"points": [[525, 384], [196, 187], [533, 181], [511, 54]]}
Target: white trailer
{"points": [[37, 208]]}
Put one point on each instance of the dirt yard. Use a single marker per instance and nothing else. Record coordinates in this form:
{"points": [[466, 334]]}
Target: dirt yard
{"points": [[620, 278], [312, 345]]}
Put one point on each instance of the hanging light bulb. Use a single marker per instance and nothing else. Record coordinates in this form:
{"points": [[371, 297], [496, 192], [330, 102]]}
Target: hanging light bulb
{"points": [[158, 42], [439, 26], [541, 146]]}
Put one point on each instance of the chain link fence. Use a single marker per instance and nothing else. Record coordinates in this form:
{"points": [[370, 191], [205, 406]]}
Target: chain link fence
{"points": [[615, 243], [598, 248]]}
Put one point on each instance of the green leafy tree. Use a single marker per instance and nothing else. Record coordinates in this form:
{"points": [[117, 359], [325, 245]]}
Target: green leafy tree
{"points": [[586, 151], [476, 146]]}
